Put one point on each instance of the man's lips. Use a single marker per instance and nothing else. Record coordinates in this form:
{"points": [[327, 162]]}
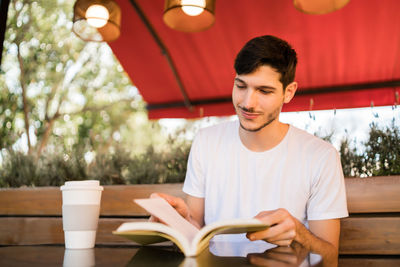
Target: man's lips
{"points": [[249, 115]]}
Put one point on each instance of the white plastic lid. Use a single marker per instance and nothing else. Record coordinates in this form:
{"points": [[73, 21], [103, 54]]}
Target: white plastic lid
{"points": [[84, 185]]}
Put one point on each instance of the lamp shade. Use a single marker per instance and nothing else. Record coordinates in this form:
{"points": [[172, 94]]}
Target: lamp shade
{"points": [[319, 7], [189, 15], [97, 20]]}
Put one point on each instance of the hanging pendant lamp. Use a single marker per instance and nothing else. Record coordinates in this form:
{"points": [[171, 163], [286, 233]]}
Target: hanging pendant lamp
{"points": [[319, 7], [97, 20], [189, 15]]}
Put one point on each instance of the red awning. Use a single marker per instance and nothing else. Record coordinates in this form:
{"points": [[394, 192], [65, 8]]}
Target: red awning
{"points": [[347, 59]]}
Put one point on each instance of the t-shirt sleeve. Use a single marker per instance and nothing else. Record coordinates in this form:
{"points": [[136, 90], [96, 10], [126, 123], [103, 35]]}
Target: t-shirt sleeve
{"points": [[194, 180], [328, 193]]}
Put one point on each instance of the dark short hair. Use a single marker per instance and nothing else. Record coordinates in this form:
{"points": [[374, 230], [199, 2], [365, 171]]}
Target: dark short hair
{"points": [[268, 50]]}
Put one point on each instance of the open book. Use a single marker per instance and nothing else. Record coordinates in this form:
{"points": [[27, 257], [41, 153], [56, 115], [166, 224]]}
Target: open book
{"points": [[186, 236]]}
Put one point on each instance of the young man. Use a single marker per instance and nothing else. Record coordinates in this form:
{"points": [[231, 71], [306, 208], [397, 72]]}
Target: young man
{"points": [[260, 167]]}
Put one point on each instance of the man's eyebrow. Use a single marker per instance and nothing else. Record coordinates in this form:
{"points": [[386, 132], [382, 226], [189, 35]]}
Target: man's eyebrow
{"points": [[239, 80], [264, 87], [261, 87]]}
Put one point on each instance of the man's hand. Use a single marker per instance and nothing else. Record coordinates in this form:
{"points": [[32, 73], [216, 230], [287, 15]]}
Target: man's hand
{"points": [[178, 204], [323, 239], [283, 228]]}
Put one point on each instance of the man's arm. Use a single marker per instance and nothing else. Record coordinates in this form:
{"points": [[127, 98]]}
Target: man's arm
{"points": [[192, 210], [322, 238], [196, 208], [326, 230]]}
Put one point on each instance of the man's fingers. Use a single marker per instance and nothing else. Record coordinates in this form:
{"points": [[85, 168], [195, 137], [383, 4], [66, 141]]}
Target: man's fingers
{"points": [[283, 229], [284, 239], [272, 232], [273, 217], [289, 235], [283, 242], [170, 199], [176, 202], [155, 219], [154, 195], [181, 208]]}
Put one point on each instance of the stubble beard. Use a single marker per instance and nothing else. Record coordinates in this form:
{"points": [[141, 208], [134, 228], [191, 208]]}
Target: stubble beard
{"points": [[270, 118]]}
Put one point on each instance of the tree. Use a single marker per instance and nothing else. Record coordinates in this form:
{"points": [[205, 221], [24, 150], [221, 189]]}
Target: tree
{"points": [[56, 85], [352, 162], [382, 155], [8, 109]]}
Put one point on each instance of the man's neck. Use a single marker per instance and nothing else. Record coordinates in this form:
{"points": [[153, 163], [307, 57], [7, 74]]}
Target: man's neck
{"points": [[264, 139]]}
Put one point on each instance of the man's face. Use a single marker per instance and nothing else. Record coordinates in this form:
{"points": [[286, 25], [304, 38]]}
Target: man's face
{"points": [[258, 98]]}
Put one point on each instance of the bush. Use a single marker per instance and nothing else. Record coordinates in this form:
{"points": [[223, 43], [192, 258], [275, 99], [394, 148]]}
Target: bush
{"points": [[109, 168], [380, 158], [56, 168], [157, 168], [352, 163], [53, 169], [18, 169], [383, 151]]}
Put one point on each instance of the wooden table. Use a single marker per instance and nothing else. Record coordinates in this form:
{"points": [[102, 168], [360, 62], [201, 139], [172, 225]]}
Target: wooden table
{"points": [[133, 255], [56, 255]]}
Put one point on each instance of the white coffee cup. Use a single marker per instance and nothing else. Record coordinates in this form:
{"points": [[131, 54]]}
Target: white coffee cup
{"points": [[80, 211]]}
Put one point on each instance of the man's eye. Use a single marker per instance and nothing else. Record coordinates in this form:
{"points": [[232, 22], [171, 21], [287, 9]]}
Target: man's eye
{"points": [[265, 92], [240, 86]]}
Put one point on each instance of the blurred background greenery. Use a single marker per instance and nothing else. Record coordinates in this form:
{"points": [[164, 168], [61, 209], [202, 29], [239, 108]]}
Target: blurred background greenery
{"points": [[68, 111]]}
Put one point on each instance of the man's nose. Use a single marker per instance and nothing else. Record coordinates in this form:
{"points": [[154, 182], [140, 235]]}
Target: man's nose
{"points": [[250, 99]]}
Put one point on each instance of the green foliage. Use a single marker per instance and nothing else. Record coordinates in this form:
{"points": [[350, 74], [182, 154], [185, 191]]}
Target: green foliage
{"points": [[8, 107], [383, 151], [158, 168], [73, 98], [54, 82], [381, 156], [18, 170], [110, 168], [352, 163], [120, 167], [53, 169]]}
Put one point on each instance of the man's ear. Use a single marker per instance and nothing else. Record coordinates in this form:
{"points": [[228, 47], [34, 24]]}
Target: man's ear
{"points": [[289, 92]]}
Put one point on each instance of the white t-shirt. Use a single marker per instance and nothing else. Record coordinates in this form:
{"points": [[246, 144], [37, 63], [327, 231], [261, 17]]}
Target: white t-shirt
{"points": [[302, 174]]}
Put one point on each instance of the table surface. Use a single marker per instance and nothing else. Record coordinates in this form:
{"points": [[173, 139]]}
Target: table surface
{"points": [[168, 256], [57, 255]]}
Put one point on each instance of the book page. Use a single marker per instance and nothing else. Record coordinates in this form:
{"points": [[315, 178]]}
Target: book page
{"points": [[152, 232], [232, 226], [160, 208]]}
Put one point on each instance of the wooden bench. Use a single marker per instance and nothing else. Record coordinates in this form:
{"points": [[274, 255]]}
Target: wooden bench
{"points": [[31, 216]]}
